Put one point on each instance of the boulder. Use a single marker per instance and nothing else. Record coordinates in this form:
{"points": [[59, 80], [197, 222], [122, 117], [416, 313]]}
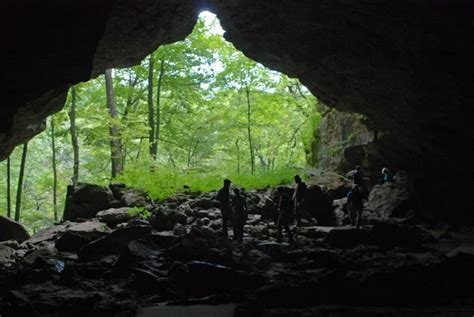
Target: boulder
{"points": [[165, 219], [41, 256], [319, 205], [71, 236], [113, 243], [15, 303], [48, 234], [341, 211], [134, 251], [89, 229], [191, 248], [335, 185], [346, 237], [70, 242], [12, 230], [388, 235], [7, 255], [11, 244], [202, 203], [85, 200], [114, 216], [202, 278], [118, 190], [164, 239], [392, 199], [135, 197], [314, 232]]}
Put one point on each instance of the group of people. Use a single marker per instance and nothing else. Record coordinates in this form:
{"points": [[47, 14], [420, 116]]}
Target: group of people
{"points": [[234, 208], [359, 193]]}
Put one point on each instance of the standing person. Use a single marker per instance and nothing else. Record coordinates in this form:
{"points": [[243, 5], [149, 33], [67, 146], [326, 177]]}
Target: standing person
{"points": [[386, 176], [359, 179], [240, 215], [355, 201], [356, 176], [284, 214], [299, 201], [223, 196]]}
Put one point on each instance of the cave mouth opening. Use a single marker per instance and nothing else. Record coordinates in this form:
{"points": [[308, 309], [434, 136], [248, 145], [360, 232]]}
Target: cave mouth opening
{"points": [[190, 114]]}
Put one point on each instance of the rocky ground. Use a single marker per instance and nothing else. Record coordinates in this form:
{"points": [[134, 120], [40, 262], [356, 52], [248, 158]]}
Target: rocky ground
{"points": [[107, 261]]}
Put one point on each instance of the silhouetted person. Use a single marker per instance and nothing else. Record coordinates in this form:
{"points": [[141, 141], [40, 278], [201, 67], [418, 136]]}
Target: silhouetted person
{"points": [[299, 201], [223, 196], [240, 215], [285, 214], [359, 179], [356, 175], [355, 201], [386, 176]]}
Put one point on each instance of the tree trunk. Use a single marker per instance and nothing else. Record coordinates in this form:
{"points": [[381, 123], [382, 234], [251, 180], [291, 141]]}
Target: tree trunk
{"points": [[20, 182], [238, 155], [252, 155], [9, 202], [151, 111], [158, 106], [74, 141], [55, 173], [115, 142]]}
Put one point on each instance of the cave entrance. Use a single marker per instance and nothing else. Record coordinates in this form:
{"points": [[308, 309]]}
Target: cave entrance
{"points": [[190, 114]]}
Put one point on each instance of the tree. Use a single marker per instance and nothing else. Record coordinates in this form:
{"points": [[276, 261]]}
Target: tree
{"points": [[249, 129], [55, 171], [74, 139], [151, 111], [9, 202], [204, 104], [158, 109], [20, 182], [115, 141]]}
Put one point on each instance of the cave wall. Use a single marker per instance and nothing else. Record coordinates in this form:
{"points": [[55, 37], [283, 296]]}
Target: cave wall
{"points": [[406, 65], [335, 137], [50, 45]]}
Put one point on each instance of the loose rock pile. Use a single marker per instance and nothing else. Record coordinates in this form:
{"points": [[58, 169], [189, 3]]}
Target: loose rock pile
{"points": [[114, 261]]}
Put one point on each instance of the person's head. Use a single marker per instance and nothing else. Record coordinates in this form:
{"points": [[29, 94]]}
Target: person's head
{"points": [[237, 192], [297, 179], [384, 170], [358, 168], [227, 183]]}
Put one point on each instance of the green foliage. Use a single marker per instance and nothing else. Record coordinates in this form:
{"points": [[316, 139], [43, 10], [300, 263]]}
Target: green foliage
{"points": [[167, 182], [139, 212], [203, 127]]}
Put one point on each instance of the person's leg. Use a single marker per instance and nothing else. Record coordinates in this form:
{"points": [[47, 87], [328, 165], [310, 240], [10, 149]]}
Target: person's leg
{"points": [[359, 216], [280, 227], [288, 232], [297, 214], [235, 229], [224, 223], [241, 231], [352, 215]]}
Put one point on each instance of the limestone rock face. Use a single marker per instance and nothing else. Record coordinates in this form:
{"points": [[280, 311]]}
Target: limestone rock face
{"points": [[338, 131], [12, 230]]}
